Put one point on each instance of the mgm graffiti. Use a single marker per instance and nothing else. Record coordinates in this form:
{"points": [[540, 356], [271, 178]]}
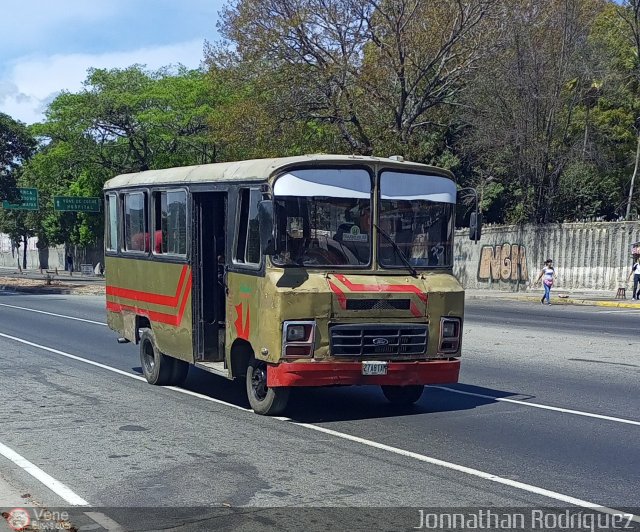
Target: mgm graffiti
{"points": [[506, 262]]}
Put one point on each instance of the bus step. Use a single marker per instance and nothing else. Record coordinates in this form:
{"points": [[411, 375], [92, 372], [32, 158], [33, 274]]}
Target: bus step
{"points": [[214, 367]]}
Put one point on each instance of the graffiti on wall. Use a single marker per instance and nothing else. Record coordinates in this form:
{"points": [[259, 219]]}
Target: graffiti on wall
{"points": [[506, 262]]}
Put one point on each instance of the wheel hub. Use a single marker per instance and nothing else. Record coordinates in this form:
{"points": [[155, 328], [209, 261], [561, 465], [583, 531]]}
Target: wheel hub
{"points": [[259, 382]]}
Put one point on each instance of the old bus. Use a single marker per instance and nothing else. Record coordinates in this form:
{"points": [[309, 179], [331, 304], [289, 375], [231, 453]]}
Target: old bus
{"points": [[303, 271]]}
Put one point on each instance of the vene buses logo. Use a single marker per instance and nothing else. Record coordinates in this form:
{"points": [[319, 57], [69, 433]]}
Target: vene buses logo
{"points": [[18, 519]]}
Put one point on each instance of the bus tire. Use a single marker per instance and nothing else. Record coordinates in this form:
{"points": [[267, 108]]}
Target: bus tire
{"points": [[179, 373], [156, 367], [403, 395], [264, 401]]}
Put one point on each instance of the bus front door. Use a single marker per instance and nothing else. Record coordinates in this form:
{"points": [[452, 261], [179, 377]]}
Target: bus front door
{"points": [[208, 263]]}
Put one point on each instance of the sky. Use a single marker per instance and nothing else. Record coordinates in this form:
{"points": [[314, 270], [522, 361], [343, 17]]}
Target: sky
{"points": [[47, 47]]}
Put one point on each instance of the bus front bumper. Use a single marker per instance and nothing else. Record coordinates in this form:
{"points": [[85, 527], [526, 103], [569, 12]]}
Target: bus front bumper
{"points": [[345, 373]]}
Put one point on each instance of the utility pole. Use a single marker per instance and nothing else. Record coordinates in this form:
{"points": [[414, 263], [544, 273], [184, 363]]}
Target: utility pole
{"points": [[633, 179]]}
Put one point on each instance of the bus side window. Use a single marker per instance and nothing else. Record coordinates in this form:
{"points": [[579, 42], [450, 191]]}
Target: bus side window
{"points": [[248, 242], [136, 235], [112, 222], [170, 222]]}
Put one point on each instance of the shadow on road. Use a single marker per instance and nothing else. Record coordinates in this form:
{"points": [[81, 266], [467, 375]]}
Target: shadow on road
{"points": [[344, 403], [315, 405]]}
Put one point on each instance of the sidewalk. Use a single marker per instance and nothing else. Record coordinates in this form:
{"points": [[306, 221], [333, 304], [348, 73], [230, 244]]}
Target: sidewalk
{"points": [[34, 282], [597, 298], [7, 271], [10, 498]]}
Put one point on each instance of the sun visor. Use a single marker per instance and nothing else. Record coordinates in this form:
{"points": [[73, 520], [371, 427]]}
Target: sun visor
{"points": [[333, 183], [402, 186]]}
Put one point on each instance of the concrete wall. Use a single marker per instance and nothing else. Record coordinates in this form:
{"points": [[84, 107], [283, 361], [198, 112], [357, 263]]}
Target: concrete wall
{"points": [[51, 258], [587, 256]]}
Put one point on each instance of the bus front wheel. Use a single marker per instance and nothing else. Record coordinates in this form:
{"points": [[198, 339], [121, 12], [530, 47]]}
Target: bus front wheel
{"points": [[264, 400], [402, 395], [158, 368]]}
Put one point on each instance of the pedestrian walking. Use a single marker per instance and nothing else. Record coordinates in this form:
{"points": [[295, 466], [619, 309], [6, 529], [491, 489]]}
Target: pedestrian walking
{"points": [[69, 264], [635, 271], [548, 276]]}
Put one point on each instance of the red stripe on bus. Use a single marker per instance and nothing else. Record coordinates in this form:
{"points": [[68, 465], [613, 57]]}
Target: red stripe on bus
{"points": [[395, 288], [342, 300], [160, 317], [149, 297]]}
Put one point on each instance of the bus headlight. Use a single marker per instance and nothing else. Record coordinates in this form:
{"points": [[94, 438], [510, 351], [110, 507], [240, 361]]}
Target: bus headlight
{"points": [[298, 338], [450, 331]]}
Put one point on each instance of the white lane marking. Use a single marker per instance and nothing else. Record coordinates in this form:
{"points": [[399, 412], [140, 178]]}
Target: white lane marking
{"points": [[104, 521], [118, 371], [538, 405], [469, 471], [54, 314], [54, 485], [72, 357], [409, 454], [625, 310], [500, 399]]}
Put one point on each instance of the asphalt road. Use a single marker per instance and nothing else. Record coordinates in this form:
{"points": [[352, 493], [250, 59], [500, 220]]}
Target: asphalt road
{"points": [[570, 425]]}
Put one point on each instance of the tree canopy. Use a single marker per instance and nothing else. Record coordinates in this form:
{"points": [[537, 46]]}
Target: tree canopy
{"points": [[535, 103]]}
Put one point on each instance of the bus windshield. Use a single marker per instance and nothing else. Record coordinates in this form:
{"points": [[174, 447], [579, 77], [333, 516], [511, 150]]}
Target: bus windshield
{"points": [[416, 211], [323, 217]]}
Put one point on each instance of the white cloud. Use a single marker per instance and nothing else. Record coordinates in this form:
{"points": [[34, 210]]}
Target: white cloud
{"points": [[32, 82]]}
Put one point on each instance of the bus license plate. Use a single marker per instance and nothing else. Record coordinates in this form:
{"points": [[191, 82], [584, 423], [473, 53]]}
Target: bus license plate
{"points": [[374, 368]]}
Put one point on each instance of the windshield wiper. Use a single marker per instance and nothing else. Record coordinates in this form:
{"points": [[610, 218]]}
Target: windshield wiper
{"points": [[397, 250]]}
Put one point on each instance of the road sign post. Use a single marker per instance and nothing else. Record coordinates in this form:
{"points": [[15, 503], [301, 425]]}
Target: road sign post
{"points": [[28, 201], [76, 204]]}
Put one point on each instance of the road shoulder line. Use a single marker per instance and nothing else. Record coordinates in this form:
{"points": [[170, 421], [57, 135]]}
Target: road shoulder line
{"points": [[54, 314], [538, 405], [401, 452], [54, 485]]}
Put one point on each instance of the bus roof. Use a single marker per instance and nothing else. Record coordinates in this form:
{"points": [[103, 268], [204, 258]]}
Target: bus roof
{"points": [[254, 170]]}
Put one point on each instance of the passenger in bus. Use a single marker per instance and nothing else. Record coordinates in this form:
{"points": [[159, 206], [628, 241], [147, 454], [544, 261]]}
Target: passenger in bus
{"points": [[141, 242]]}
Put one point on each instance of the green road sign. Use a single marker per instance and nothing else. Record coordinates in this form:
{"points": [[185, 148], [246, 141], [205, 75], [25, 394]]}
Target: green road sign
{"points": [[76, 203], [28, 201]]}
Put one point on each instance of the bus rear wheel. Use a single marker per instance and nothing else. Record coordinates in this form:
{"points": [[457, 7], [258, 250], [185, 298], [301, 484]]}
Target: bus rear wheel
{"points": [[403, 395], [264, 400], [158, 368]]}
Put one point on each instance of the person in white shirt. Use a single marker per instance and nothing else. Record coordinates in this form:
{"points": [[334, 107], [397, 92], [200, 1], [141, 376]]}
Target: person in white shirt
{"points": [[548, 276], [635, 271]]}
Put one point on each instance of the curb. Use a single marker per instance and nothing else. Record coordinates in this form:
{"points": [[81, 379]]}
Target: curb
{"points": [[565, 301]]}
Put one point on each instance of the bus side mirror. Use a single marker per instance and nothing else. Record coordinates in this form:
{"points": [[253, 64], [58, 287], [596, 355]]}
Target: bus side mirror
{"points": [[475, 226], [267, 232]]}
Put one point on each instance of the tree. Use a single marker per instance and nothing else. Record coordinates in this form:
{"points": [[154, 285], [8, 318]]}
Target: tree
{"points": [[524, 101], [376, 70], [16, 146], [629, 12], [124, 120]]}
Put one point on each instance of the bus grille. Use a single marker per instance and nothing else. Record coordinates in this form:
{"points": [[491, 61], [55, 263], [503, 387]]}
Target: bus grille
{"points": [[378, 304], [378, 340]]}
